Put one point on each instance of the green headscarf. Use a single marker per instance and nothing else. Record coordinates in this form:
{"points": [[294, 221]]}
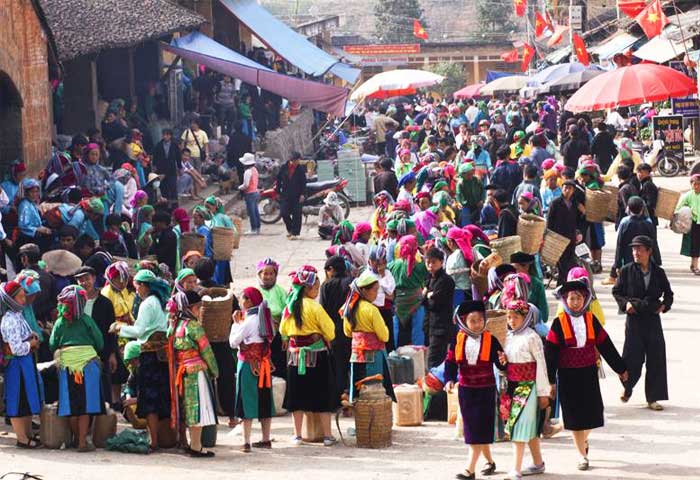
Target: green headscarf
{"points": [[215, 201], [159, 287], [439, 185], [465, 168], [202, 210], [132, 350], [442, 199], [344, 233]]}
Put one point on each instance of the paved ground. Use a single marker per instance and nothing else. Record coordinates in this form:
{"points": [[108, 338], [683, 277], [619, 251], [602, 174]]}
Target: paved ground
{"points": [[636, 443]]}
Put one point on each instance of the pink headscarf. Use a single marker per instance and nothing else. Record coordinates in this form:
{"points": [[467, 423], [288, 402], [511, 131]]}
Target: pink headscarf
{"points": [[408, 247], [425, 221], [360, 229], [548, 163], [477, 232], [463, 239], [139, 195], [577, 273]]}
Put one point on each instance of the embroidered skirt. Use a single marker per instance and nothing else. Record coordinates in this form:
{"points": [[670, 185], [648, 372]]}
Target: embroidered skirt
{"points": [[523, 422], [378, 366], [24, 389], [315, 390], [82, 397], [252, 401], [478, 408], [580, 398], [154, 386]]}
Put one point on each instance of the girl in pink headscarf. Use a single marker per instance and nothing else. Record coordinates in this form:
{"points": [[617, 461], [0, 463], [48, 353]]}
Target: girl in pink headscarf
{"points": [[425, 221], [458, 263], [360, 238]]}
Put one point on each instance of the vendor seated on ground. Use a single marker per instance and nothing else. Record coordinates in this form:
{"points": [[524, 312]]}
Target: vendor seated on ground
{"points": [[329, 216]]}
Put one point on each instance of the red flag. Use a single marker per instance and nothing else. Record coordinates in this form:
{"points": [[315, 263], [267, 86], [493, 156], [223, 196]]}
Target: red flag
{"points": [[631, 8], [580, 49], [652, 19], [528, 54], [557, 36], [419, 31], [511, 57], [540, 24], [520, 7]]}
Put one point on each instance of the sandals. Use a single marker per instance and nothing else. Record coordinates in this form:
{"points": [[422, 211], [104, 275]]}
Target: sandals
{"points": [[656, 406], [489, 469], [466, 475], [245, 448], [200, 454], [262, 444], [31, 444]]}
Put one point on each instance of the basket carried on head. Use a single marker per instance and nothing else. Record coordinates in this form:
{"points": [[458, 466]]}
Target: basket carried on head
{"points": [[666, 203], [553, 247], [192, 241], [497, 324], [506, 246], [612, 206], [597, 204], [216, 314], [373, 416], [223, 242], [531, 230]]}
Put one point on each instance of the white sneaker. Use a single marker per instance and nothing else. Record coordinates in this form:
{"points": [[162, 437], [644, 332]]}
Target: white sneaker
{"points": [[534, 470], [329, 441], [297, 441]]}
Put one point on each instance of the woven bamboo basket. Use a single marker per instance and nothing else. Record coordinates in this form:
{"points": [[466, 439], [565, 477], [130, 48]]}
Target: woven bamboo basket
{"points": [[612, 206], [480, 282], [224, 241], [597, 204], [192, 241], [238, 223], [506, 246], [497, 324], [666, 203], [553, 247], [531, 231], [216, 315], [373, 423]]}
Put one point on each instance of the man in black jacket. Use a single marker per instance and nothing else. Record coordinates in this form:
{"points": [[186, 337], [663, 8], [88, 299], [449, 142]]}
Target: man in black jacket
{"points": [[167, 161], [507, 216], [291, 182], [647, 189], [603, 147], [164, 241], [561, 219], [642, 291], [438, 298], [386, 178]]}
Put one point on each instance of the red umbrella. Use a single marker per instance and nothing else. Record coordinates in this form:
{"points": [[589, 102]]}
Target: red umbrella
{"points": [[633, 85], [470, 91]]}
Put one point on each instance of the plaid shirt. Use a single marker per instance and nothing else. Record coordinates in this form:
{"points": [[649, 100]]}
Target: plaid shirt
{"points": [[96, 179]]}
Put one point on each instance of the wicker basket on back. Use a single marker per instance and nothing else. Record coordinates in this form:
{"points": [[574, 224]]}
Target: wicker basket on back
{"points": [[553, 247], [597, 205], [666, 203], [216, 314], [612, 206], [506, 246], [223, 242], [531, 231], [497, 324], [192, 241]]}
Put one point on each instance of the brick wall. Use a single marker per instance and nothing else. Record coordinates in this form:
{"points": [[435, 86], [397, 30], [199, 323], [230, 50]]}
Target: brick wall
{"points": [[24, 58]]}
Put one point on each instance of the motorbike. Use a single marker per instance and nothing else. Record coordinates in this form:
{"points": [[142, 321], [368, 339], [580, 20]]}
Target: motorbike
{"points": [[314, 194]]}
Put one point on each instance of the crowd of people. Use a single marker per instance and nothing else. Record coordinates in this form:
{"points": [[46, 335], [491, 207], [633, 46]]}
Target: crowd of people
{"points": [[128, 332]]}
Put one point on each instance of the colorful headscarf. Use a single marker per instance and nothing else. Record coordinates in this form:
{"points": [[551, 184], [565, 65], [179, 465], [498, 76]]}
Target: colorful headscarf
{"points": [[181, 217], [439, 185], [408, 247], [184, 273], [158, 286], [425, 221], [460, 315], [138, 196], [478, 235], [347, 311], [344, 233], [305, 276], [92, 205], [71, 302], [216, 202], [377, 252], [8, 291], [407, 178], [360, 229], [403, 206], [523, 308], [442, 199], [117, 271], [463, 240], [121, 174], [202, 210], [262, 311], [516, 286], [29, 280], [267, 262]]}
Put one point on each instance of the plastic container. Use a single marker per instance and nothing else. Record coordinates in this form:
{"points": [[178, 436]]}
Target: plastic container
{"points": [[400, 368], [54, 430], [311, 430], [417, 356], [209, 434], [408, 409], [452, 406]]}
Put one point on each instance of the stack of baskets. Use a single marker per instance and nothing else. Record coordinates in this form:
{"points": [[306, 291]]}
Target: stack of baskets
{"points": [[597, 204], [192, 241], [506, 246], [216, 314], [531, 231], [373, 417], [497, 324], [666, 203], [553, 247]]}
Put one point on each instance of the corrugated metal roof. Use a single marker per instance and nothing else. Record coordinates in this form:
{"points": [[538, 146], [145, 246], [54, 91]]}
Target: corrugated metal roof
{"points": [[617, 43]]}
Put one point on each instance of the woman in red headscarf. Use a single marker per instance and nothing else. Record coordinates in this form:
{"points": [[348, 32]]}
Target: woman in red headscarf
{"points": [[252, 333]]}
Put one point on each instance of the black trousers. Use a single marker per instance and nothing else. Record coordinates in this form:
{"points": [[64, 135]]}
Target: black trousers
{"points": [[291, 215], [566, 263], [437, 349], [644, 342], [341, 349], [388, 317]]}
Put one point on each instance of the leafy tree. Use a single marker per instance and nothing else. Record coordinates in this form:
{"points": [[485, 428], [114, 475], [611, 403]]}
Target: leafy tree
{"points": [[394, 20], [454, 77], [495, 18]]}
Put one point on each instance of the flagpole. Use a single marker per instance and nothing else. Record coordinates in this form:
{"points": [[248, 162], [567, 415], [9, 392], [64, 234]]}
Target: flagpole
{"points": [[571, 29]]}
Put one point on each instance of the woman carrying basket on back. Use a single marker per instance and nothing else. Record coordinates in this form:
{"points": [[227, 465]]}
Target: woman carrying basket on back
{"points": [[222, 271]]}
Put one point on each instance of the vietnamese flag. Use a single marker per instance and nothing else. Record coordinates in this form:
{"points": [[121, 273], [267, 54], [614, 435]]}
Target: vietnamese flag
{"points": [[652, 19], [520, 7], [580, 49], [528, 55], [631, 8], [540, 24], [511, 57], [419, 31]]}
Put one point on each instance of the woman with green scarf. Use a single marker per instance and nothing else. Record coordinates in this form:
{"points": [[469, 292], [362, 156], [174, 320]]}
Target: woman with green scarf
{"points": [[77, 339], [215, 207], [150, 329]]}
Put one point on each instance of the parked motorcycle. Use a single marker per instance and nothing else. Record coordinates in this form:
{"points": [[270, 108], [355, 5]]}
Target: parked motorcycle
{"points": [[314, 194]]}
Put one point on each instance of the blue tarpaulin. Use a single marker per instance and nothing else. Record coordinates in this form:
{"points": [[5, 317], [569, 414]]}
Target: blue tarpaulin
{"points": [[492, 75], [287, 43]]}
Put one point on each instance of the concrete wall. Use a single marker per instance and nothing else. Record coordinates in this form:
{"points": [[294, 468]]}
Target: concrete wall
{"points": [[24, 59], [296, 136]]}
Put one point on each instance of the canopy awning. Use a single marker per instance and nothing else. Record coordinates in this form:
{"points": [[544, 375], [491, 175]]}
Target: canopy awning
{"points": [[287, 43], [615, 44], [199, 48], [558, 55], [492, 75], [660, 49]]}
